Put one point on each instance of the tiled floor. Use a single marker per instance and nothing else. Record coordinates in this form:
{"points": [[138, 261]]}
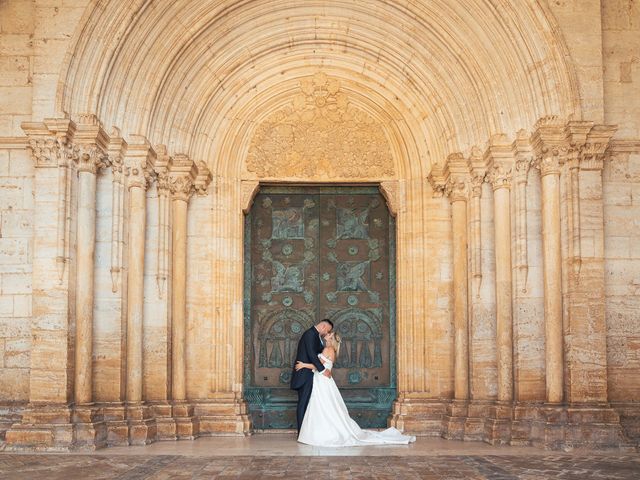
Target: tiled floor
{"points": [[279, 456]]}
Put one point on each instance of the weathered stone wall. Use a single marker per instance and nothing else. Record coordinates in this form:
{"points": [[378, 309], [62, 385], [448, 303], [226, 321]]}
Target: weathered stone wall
{"points": [[16, 259], [621, 194], [622, 273], [16, 199]]}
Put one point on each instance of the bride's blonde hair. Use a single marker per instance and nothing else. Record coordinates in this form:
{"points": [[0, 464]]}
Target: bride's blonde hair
{"points": [[336, 340]]}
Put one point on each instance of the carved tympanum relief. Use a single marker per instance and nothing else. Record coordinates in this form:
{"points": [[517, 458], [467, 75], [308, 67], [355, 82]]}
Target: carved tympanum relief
{"points": [[320, 134]]}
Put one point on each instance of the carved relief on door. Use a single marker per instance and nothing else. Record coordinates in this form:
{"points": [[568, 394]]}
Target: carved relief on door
{"points": [[311, 253]]}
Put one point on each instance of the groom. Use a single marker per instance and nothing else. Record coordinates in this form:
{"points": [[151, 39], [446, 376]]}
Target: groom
{"points": [[309, 346]]}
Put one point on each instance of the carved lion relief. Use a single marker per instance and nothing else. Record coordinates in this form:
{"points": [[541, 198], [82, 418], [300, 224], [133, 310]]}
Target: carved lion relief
{"points": [[320, 134]]}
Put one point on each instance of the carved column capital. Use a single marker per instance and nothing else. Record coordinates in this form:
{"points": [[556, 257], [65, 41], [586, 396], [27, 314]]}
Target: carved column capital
{"points": [[92, 143], [477, 180], [500, 175], [181, 187], [91, 158], [551, 146], [499, 160], [592, 153], [49, 142], [437, 179], [457, 189], [139, 162], [182, 176], [457, 178]]}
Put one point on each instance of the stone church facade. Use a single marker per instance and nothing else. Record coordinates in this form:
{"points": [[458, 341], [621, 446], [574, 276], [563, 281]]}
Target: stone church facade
{"points": [[503, 138]]}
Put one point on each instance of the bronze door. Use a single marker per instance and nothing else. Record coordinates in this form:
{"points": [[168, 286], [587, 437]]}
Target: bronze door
{"points": [[313, 253]]}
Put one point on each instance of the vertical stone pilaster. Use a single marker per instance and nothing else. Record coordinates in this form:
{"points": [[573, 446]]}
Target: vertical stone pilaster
{"points": [[116, 150], [46, 423], [586, 381]]}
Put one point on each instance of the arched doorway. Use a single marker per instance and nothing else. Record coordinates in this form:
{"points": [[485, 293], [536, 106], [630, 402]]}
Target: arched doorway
{"points": [[319, 252]]}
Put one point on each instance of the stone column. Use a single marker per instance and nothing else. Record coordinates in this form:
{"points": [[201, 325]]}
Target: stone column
{"points": [[551, 153], [182, 174], [457, 190], [500, 161], [139, 161], [92, 142]]}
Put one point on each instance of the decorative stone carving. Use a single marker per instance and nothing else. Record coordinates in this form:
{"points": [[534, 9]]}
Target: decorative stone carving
{"points": [[499, 176], [320, 134], [437, 179], [91, 142], [182, 177], [593, 151], [140, 162]]}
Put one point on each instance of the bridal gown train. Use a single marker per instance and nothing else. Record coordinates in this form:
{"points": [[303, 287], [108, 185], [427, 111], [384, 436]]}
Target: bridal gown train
{"points": [[327, 422]]}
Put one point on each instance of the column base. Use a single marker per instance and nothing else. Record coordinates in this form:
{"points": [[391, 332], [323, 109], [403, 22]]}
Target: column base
{"points": [[141, 424], [418, 415], [89, 427], [43, 428], [565, 427], [224, 415], [454, 419], [58, 428], [478, 411], [497, 427], [115, 417]]}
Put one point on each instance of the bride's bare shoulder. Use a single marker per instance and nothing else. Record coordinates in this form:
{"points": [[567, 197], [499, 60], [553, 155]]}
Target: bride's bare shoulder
{"points": [[329, 352]]}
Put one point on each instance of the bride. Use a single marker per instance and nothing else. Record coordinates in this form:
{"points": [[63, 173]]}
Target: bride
{"points": [[327, 422]]}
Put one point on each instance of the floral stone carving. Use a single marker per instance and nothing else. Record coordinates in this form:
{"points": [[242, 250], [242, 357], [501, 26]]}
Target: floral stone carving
{"points": [[320, 134]]}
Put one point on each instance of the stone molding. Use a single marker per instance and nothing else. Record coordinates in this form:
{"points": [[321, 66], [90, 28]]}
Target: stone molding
{"points": [[390, 190], [249, 189]]}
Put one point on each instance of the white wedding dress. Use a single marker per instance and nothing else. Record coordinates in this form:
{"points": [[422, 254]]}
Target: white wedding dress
{"points": [[327, 422]]}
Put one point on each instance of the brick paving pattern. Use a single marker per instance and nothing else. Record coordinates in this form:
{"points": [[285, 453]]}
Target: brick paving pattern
{"points": [[160, 467]]}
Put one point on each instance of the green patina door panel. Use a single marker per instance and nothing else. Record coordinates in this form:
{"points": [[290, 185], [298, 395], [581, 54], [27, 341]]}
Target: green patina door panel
{"points": [[312, 253]]}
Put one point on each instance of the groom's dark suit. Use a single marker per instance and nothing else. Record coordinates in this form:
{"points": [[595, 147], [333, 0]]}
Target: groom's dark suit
{"points": [[309, 347]]}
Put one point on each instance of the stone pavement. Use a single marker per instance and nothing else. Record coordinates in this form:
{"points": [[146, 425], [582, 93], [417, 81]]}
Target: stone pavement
{"points": [[279, 456]]}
